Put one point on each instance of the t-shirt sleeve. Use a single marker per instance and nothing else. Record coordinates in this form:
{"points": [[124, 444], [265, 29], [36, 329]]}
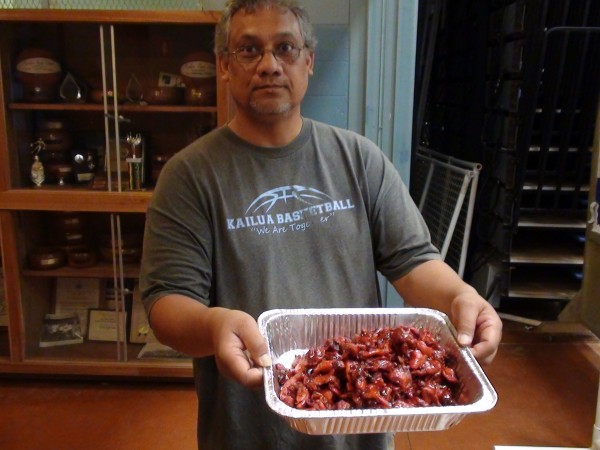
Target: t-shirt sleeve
{"points": [[177, 251], [401, 239]]}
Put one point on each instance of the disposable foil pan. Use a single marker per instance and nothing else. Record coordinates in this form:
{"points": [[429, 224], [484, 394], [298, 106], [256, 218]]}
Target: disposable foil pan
{"points": [[291, 332]]}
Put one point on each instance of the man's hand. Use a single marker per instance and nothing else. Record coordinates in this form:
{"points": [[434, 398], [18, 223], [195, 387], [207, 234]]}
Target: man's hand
{"points": [[434, 284], [477, 325], [231, 336], [240, 349]]}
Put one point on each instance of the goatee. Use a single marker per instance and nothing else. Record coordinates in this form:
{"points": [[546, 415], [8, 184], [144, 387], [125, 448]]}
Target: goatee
{"points": [[270, 109]]}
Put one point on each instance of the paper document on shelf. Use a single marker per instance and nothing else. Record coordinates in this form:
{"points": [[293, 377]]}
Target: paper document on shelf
{"points": [[77, 296]]}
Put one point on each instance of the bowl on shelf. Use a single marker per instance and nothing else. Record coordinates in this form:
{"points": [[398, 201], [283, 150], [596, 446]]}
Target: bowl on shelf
{"points": [[97, 96], [164, 95], [59, 173], [47, 258], [56, 135], [81, 256], [131, 247], [201, 95]]}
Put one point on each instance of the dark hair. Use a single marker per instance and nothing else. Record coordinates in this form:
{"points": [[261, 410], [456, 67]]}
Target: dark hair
{"points": [[233, 6]]}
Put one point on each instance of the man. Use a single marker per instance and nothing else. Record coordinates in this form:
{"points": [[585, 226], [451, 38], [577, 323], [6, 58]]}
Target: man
{"points": [[277, 211]]}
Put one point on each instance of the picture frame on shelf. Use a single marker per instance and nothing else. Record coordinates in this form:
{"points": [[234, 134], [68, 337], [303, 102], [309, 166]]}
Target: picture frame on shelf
{"points": [[103, 325], [60, 329]]}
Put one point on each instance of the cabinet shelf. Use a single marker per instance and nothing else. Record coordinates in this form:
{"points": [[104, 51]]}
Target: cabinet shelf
{"points": [[535, 290], [547, 256], [110, 17], [544, 283], [549, 253], [552, 186], [93, 368], [122, 108], [548, 246], [85, 200], [100, 270], [551, 220]]}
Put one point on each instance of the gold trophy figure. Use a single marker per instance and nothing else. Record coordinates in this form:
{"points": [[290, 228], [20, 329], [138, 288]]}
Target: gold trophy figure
{"points": [[37, 168]]}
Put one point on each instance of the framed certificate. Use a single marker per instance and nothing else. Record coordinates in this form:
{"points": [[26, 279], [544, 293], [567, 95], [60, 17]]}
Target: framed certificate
{"points": [[77, 296], [103, 325]]}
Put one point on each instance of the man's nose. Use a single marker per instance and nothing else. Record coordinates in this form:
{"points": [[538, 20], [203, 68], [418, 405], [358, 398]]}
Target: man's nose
{"points": [[268, 63]]}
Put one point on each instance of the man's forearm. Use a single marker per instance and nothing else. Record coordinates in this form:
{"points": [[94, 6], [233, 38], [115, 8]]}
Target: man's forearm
{"points": [[432, 284], [184, 324]]}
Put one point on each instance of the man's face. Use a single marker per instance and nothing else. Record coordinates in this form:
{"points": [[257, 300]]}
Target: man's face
{"points": [[268, 88]]}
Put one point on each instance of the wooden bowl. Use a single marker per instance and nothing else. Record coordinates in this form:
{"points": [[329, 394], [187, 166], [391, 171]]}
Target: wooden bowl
{"points": [[164, 95], [201, 95], [47, 258]]}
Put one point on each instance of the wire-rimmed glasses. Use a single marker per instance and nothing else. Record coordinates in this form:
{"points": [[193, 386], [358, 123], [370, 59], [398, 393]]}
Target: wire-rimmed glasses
{"points": [[285, 52]]}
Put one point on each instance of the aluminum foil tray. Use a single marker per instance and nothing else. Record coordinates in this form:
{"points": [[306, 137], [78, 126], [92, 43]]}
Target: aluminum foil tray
{"points": [[291, 332]]}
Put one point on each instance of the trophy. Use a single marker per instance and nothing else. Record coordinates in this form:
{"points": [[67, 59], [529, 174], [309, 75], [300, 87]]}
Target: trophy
{"points": [[135, 162], [37, 168], [135, 90]]}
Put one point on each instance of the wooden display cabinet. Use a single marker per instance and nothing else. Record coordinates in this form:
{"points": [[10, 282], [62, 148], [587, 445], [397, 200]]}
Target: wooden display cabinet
{"points": [[122, 52]]}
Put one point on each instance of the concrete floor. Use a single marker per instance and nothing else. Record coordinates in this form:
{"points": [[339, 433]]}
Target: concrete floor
{"points": [[547, 386]]}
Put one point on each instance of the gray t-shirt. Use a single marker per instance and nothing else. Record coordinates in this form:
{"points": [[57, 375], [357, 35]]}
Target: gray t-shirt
{"points": [[307, 225]]}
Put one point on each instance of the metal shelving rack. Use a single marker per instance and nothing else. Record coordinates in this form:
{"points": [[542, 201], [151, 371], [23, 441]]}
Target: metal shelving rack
{"points": [[520, 97]]}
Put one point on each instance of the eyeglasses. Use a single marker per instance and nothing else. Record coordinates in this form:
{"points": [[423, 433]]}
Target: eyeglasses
{"points": [[250, 54]]}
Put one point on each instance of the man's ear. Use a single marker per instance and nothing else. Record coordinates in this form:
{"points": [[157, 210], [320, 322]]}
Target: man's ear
{"points": [[223, 64], [311, 62]]}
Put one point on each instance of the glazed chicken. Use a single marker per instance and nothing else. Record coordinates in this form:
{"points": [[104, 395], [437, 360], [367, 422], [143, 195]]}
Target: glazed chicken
{"points": [[383, 368]]}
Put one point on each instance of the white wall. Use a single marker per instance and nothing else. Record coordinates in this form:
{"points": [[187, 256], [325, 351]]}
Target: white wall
{"points": [[320, 11]]}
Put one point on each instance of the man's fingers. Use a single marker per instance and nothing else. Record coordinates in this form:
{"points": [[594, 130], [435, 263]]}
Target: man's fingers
{"points": [[255, 343], [242, 351], [478, 327], [263, 360], [488, 339], [465, 321], [254, 378], [484, 352]]}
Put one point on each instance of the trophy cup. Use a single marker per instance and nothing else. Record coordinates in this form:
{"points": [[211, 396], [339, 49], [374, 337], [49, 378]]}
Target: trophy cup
{"points": [[135, 162]]}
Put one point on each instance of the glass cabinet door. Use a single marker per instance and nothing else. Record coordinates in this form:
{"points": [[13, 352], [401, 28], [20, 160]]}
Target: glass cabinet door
{"points": [[92, 112], [88, 102], [80, 271]]}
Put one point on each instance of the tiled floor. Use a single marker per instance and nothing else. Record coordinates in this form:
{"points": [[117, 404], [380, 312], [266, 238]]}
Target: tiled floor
{"points": [[547, 391]]}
